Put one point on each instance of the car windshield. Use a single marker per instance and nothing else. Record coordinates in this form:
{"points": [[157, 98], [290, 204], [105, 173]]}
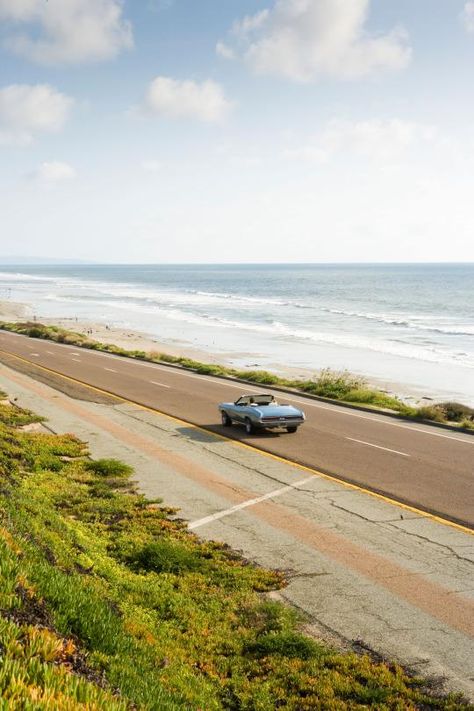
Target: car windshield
{"points": [[256, 400], [263, 400]]}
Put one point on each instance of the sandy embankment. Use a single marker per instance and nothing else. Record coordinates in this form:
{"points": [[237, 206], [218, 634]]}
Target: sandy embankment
{"points": [[136, 340]]}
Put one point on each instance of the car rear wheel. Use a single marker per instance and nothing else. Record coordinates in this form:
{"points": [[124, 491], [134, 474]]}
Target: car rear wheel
{"points": [[249, 428], [291, 430], [226, 421]]}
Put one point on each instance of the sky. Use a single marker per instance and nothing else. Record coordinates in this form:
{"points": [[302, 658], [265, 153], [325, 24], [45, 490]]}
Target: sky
{"points": [[168, 131]]}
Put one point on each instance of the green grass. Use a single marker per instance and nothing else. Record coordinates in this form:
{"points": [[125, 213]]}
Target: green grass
{"points": [[107, 602], [334, 385]]}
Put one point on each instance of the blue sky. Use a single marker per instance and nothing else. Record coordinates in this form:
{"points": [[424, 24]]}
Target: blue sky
{"points": [[210, 131]]}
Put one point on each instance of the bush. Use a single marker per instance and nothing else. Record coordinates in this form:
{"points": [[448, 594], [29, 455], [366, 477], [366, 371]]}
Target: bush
{"points": [[334, 384], [430, 412], [373, 397], [259, 376], [209, 369], [285, 644], [109, 468], [456, 411], [166, 557], [35, 332]]}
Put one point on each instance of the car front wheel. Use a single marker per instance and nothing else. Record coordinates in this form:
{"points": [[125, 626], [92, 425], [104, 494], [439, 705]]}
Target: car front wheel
{"points": [[291, 430], [249, 428], [226, 421]]}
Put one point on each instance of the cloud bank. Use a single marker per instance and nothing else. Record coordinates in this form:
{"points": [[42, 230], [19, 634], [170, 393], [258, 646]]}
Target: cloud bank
{"points": [[187, 99], [304, 40], [27, 110], [65, 31]]}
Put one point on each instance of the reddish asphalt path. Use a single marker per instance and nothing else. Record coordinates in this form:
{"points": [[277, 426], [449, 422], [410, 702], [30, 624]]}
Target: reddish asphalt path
{"points": [[427, 467]]}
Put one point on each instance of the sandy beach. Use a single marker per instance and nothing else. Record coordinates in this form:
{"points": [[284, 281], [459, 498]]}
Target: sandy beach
{"points": [[138, 340]]}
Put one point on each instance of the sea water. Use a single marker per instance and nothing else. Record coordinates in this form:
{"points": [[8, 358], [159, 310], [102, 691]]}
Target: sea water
{"points": [[404, 324]]}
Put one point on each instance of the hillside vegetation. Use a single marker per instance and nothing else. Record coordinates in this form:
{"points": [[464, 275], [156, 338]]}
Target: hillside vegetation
{"points": [[107, 602], [341, 386]]}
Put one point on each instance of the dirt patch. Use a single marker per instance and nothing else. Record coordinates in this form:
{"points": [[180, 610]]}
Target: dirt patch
{"points": [[68, 387]]}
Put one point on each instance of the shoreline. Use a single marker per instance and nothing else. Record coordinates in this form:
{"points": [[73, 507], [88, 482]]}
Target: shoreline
{"points": [[132, 339]]}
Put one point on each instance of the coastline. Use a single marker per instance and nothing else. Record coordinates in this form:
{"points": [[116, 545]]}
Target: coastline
{"points": [[132, 339]]}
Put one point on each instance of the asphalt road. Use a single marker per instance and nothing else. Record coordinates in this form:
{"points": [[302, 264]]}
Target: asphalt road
{"points": [[427, 467]]}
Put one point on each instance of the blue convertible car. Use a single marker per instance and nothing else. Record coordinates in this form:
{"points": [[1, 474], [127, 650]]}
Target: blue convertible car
{"points": [[261, 412]]}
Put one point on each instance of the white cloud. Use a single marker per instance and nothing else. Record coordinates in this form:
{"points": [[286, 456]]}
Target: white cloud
{"points": [[223, 50], [306, 39], [54, 172], [250, 23], [375, 139], [187, 99], [468, 16], [26, 110], [65, 31]]}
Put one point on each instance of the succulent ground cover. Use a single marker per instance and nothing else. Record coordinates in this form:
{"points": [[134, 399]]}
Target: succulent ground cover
{"points": [[335, 385], [108, 602]]}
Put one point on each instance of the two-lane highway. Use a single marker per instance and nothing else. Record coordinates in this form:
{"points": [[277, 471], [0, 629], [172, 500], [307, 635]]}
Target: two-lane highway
{"points": [[427, 467]]}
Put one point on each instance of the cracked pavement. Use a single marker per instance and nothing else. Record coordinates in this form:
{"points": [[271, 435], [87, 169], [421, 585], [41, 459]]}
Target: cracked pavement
{"points": [[364, 573]]}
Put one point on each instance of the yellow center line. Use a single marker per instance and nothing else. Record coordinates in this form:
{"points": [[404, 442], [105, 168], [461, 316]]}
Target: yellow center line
{"points": [[253, 448]]}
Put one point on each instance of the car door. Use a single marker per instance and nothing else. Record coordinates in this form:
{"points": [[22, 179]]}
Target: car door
{"points": [[241, 409]]}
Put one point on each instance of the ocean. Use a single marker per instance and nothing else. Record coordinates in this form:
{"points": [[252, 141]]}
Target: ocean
{"points": [[407, 325]]}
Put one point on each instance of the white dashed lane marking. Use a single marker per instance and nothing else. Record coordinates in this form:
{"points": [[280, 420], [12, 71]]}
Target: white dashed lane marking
{"points": [[377, 446]]}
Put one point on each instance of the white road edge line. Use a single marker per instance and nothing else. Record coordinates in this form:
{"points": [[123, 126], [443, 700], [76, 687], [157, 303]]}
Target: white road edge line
{"points": [[111, 370], [35, 354], [251, 502], [161, 385], [377, 446]]}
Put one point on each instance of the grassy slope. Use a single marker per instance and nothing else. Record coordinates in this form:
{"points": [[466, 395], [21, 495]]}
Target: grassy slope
{"points": [[341, 386], [107, 602]]}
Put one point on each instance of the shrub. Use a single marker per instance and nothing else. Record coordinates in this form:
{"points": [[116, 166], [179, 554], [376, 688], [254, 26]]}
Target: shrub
{"points": [[259, 376], [373, 397], [109, 468], [430, 412], [333, 383], [285, 644], [456, 411], [209, 369], [35, 332], [166, 556], [140, 355]]}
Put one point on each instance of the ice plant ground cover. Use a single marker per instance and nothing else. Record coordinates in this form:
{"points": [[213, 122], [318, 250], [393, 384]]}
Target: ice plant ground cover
{"points": [[108, 602]]}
